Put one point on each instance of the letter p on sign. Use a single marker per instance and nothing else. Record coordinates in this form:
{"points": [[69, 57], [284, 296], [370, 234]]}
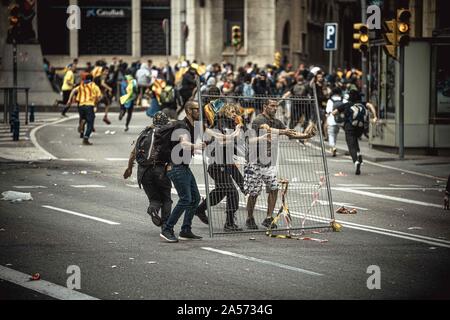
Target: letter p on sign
{"points": [[330, 36]]}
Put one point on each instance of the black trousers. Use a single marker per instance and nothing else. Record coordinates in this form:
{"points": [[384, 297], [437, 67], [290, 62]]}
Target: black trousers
{"points": [[352, 134], [223, 176], [157, 187]]}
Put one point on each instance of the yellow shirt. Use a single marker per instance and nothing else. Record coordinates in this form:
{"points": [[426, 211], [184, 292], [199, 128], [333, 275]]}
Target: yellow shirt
{"points": [[68, 81], [97, 72], [88, 94]]}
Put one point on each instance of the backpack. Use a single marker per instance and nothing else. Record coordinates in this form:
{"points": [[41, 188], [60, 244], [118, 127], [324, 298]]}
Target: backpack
{"points": [[167, 95], [162, 146], [358, 115], [144, 147], [247, 90]]}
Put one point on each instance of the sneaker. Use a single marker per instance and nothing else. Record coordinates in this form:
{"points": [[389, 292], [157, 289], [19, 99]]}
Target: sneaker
{"points": [[169, 236], [188, 235], [121, 114], [155, 218], [126, 129], [201, 214], [268, 223], [251, 224], [63, 114], [358, 168], [334, 150], [106, 120], [231, 227], [86, 142]]}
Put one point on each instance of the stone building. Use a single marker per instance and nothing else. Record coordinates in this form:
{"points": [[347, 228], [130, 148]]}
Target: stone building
{"points": [[132, 29]]}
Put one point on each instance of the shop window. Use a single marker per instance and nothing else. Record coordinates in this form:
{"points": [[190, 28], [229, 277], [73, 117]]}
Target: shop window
{"points": [[52, 32], [153, 38], [105, 27]]}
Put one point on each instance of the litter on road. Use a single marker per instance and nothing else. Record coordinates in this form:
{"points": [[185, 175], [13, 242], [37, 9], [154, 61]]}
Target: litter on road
{"points": [[15, 196]]}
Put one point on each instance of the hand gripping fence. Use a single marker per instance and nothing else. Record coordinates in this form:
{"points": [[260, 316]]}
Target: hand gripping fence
{"points": [[251, 159]]}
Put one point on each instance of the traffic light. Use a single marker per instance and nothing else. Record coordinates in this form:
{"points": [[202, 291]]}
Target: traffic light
{"points": [[390, 35], [236, 36], [361, 37], [403, 26], [14, 21], [397, 32]]}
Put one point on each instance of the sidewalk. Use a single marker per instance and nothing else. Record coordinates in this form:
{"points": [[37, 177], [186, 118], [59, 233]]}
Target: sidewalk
{"points": [[433, 166], [368, 153], [25, 149]]}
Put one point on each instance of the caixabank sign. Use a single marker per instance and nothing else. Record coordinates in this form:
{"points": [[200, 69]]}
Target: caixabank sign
{"points": [[107, 13]]}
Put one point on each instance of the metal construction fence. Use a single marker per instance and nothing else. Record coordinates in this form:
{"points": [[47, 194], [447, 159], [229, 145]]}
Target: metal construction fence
{"points": [[260, 173]]}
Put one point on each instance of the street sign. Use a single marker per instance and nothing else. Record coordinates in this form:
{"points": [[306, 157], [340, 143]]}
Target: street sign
{"points": [[330, 37]]}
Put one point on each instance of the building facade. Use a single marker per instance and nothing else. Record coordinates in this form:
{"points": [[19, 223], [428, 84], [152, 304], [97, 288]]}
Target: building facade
{"points": [[199, 29], [426, 85]]}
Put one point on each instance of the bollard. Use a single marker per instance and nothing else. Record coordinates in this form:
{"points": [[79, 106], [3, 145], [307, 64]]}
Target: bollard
{"points": [[16, 130], [32, 112], [15, 124]]}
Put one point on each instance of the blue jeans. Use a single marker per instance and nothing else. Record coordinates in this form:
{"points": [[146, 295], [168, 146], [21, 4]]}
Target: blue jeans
{"points": [[189, 197], [87, 113]]}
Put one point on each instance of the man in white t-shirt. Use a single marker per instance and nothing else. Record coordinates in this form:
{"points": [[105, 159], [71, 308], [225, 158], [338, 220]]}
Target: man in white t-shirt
{"points": [[333, 127]]}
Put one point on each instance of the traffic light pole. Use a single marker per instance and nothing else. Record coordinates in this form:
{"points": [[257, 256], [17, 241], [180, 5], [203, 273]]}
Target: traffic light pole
{"points": [[401, 107], [363, 54], [14, 72]]}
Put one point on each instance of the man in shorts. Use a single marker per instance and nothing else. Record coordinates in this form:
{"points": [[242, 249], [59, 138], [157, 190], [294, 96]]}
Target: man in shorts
{"points": [[260, 168]]}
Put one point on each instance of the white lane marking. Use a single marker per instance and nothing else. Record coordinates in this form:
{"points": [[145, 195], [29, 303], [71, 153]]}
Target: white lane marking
{"points": [[30, 187], [87, 186], [406, 171], [404, 185], [342, 161], [276, 264], [387, 232], [116, 159], [298, 160], [409, 235], [133, 185], [353, 185], [42, 286], [398, 235], [73, 159], [34, 140], [385, 197], [82, 215], [393, 188]]}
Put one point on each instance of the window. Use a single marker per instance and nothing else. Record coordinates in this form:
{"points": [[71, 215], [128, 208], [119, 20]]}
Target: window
{"points": [[233, 15], [153, 38], [54, 36], [105, 27]]}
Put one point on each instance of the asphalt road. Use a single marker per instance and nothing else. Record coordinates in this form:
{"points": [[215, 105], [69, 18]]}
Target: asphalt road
{"points": [[84, 214]]}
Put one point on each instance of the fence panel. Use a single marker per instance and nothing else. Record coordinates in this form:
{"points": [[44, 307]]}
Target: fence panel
{"points": [[261, 179]]}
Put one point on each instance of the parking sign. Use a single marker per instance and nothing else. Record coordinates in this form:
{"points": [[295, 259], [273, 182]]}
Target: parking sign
{"points": [[330, 36]]}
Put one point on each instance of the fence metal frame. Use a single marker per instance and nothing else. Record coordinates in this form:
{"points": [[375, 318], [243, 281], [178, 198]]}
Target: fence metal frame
{"points": [[313, 100]]}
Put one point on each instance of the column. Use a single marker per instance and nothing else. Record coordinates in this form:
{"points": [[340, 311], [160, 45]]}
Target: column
{"points": [[73, 37], [136, 28]]}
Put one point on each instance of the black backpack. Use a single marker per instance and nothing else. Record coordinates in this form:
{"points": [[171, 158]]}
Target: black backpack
{"points": [[162, 146], [359, 115], [144, 147]]}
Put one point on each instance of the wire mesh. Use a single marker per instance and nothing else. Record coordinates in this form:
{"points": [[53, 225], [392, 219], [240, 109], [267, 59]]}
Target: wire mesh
{"points": [[258, 178]]}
